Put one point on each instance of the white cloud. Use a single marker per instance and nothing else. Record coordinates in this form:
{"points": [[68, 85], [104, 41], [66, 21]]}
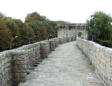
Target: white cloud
{"points": [[68, 10]]}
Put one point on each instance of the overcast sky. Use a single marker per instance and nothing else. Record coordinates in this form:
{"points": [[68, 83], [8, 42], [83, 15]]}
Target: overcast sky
{"points": [[76, 11]]}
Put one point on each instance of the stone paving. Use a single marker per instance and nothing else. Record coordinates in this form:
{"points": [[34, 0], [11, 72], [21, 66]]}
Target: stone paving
{"points": [[66, 66]]}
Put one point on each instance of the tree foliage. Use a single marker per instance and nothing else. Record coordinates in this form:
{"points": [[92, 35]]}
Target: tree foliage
{"points": [[5, 36], [100, 28], [14, 32], [43, 27]]}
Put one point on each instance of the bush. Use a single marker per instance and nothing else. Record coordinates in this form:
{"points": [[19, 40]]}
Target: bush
{"points": [[106, 43]]}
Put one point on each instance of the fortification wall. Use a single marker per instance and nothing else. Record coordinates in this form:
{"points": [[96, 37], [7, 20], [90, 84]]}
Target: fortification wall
{"points": [[16, 64], [101, 58], [72, 30]]}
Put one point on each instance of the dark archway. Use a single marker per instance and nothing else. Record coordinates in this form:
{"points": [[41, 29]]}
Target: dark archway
{"points": [[80, 34]]}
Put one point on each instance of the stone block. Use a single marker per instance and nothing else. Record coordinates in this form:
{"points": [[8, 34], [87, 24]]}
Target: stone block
{"points": [[44, 49], [52, 44]]}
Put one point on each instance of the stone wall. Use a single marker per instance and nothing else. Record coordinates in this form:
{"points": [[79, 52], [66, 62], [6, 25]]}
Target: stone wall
{"points": [[101, 58], [72, 30], [16, 64], [5, 69]]}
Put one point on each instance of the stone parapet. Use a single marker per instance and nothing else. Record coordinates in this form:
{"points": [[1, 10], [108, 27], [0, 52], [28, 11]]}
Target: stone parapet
{"points": [[5, 69], [101, 58], [17, 63], [19, 66]]}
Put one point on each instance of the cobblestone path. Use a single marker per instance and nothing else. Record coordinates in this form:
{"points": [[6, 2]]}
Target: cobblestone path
{"points": [[66, 66]]}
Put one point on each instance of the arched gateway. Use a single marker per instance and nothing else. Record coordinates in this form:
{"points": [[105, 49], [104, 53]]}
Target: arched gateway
{"points": [[72, 30]]}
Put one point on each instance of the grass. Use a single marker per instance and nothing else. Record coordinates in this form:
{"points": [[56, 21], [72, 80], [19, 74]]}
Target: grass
{"points": [[82, 51], [90, 63]]}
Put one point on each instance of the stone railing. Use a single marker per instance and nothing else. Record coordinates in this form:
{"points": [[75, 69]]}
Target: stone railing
{"points": [[101, 58], [16, 64]]}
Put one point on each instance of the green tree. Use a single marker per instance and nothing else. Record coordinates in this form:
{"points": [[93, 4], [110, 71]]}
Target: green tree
{"points": [[35, 21], [14, 32], [100, 28], [14, 29], [33, 16], [26, 34], [30, 36], [5, 37]]}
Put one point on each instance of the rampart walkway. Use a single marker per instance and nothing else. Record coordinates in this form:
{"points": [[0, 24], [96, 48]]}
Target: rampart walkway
{"points": [[66, 66]]}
